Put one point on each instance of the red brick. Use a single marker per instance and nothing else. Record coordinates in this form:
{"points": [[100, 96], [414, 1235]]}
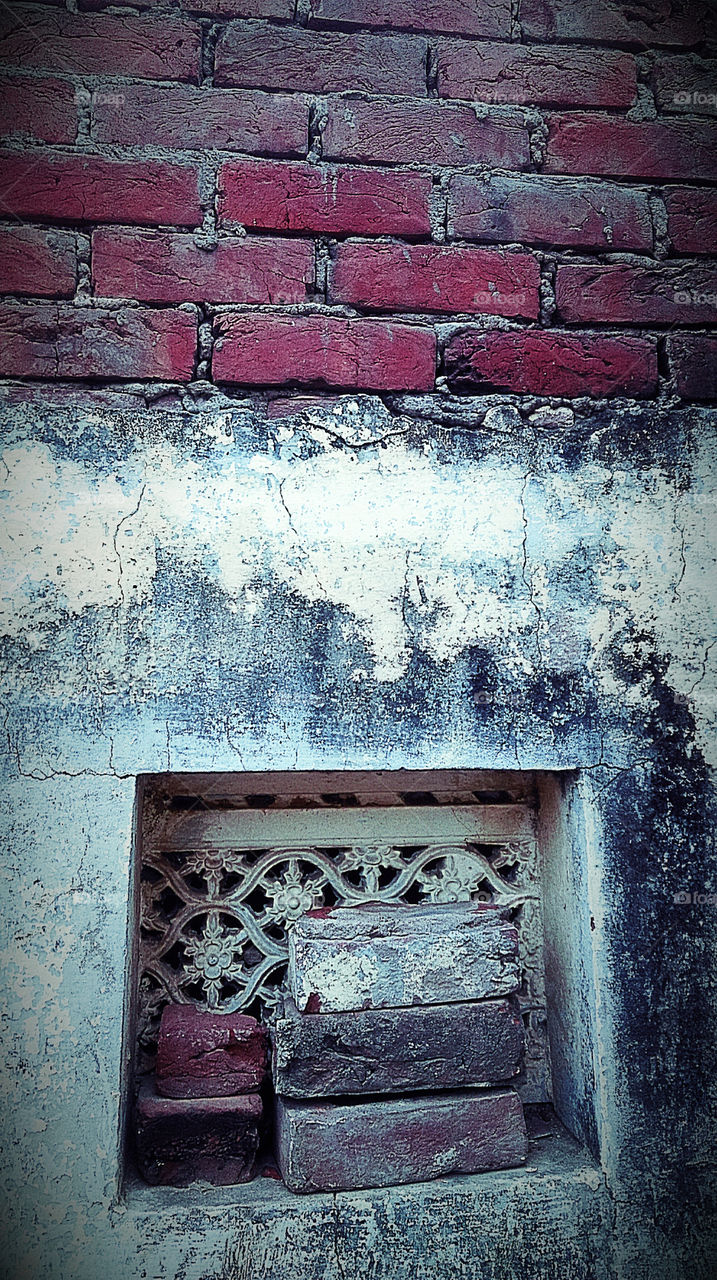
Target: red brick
{"points": [[682, 85], [58, 340], [168, 267], [122, 44], [209, 1055], [36, 261], [489, 18], [533, 74], [693, 358], [220, 8], [38, 108], [395, 277], [664, 294], [604, 145], [418, 132], [91, 189], [552, 211], [692, 219], [643, 24], [362, 354], [180, 1141], [185, 116], [309, 197], [261, 56], [551, 363]]}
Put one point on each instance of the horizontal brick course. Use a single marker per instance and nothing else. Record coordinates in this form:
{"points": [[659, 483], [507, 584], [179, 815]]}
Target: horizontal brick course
{"points": [[91, 189], [617, 21], [604, 145], [39, 108], [396, 277], [58, 340], [298, 197], [361, 354], [684, 294], [490, 18], [258, 55], [682, 84], [423, 133], [533, 74], [36, 261], [552, 363], [163, 48], [693, 359], [168, 267], [692, 219], [209, 8]]}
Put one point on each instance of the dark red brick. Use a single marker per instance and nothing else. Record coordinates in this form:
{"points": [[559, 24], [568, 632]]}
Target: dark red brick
{"points": [[641, 24], [553, 363], [692, 219], [185, 116], [180, 1140], [551, 211], [58, 340], [362, 354], [260, 56], [604, 145], [373, 129], [393, 277], [82, 188], [168, 267], [533, 74], [664, 294], [122, 44], [490, 18], [682, 84], [208, 8], [209, 1055], [309, 197], [693, 359], [39, 262], [38, 108]]}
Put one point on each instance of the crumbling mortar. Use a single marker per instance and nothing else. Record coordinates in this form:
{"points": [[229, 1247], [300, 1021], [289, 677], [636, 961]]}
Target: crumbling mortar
{"points": [[658, 217], [438, 206], [644, 107], [205, 347], [83, 293], [318, 115], [516, 31], [210, 35], [538, 138], [548, 303], [431, 71]]}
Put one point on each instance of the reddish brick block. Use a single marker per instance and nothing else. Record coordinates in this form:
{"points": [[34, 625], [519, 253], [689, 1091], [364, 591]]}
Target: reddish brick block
{"points": [[373, 129], [664, 294], [168, 267], [58, 340], [680, 84], [399, 277], [38, 108], [692, 219], [490, 18], [35, 261], [185, 116], [693, 358], [309, 197], [122, 44], [362, 354], [659, 22], [620, 148], [533, 74], [268, 57], [180, 1141], [552, 363], [209, 1055], [90, 189], [552, 211]]}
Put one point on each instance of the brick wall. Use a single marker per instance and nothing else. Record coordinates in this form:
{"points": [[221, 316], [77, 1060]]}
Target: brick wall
{"points": [[471, 195]]}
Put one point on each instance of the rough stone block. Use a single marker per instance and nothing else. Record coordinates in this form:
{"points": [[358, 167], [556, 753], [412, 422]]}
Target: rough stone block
{"points": [[337, 1146], [180, 1140], [373, 957], [209, 1055], [395, 1050]]}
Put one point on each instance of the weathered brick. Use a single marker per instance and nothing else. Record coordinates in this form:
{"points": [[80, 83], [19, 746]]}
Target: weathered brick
{"points": [[38, 108], [208, 1055], [604, 145], [692, 219], [36, 261], [374, 957], [533, 74], [639, 25], [388, 276], [552, 363], [490, 18], [693, 359], [209, 8], [338, 1146], [361, 354], [58, 340], [168, 267], [182, 1140], [261, 56], [82, 188], [374, 129], [663, 294], [123, 44], [683, 84], [395, 1050], [185, 116], [551, 211], [309, 197]]}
